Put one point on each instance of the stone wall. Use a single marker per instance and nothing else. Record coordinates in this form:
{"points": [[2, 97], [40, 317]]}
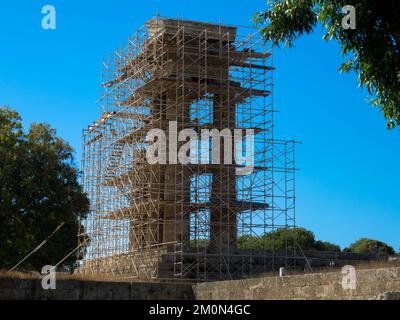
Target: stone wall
{"points": [[20, 289], [370, 283]]}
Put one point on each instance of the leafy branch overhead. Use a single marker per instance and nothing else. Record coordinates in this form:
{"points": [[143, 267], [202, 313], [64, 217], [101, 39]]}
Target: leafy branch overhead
{"points": [[372, 49]]}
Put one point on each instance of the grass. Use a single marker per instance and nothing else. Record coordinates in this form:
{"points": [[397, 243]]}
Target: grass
{"points": [[62, 276], [362, 265], [80, 277]]}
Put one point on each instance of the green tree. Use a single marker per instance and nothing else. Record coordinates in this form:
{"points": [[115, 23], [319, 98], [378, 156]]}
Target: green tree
{"points": [[39, 189], [289, 238], [326, 246], [283, 239], [366, 245], [249, 242], [372, 49]]}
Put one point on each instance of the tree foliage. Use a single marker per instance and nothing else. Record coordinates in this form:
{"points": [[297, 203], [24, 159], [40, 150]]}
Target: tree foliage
{"points": [[39, 189], [372, 49], [365, 245], [326, 246], [286, 239]]}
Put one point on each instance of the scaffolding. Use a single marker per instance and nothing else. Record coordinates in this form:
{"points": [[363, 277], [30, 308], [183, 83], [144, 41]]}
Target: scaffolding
{"points": [[174, 220]]}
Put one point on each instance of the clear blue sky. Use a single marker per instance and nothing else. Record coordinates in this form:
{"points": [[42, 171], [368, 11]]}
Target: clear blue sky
{"points": [[348, 186]]}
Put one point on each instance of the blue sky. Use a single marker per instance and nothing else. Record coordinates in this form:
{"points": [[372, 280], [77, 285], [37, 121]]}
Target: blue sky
{"points": [[347, 187]]}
